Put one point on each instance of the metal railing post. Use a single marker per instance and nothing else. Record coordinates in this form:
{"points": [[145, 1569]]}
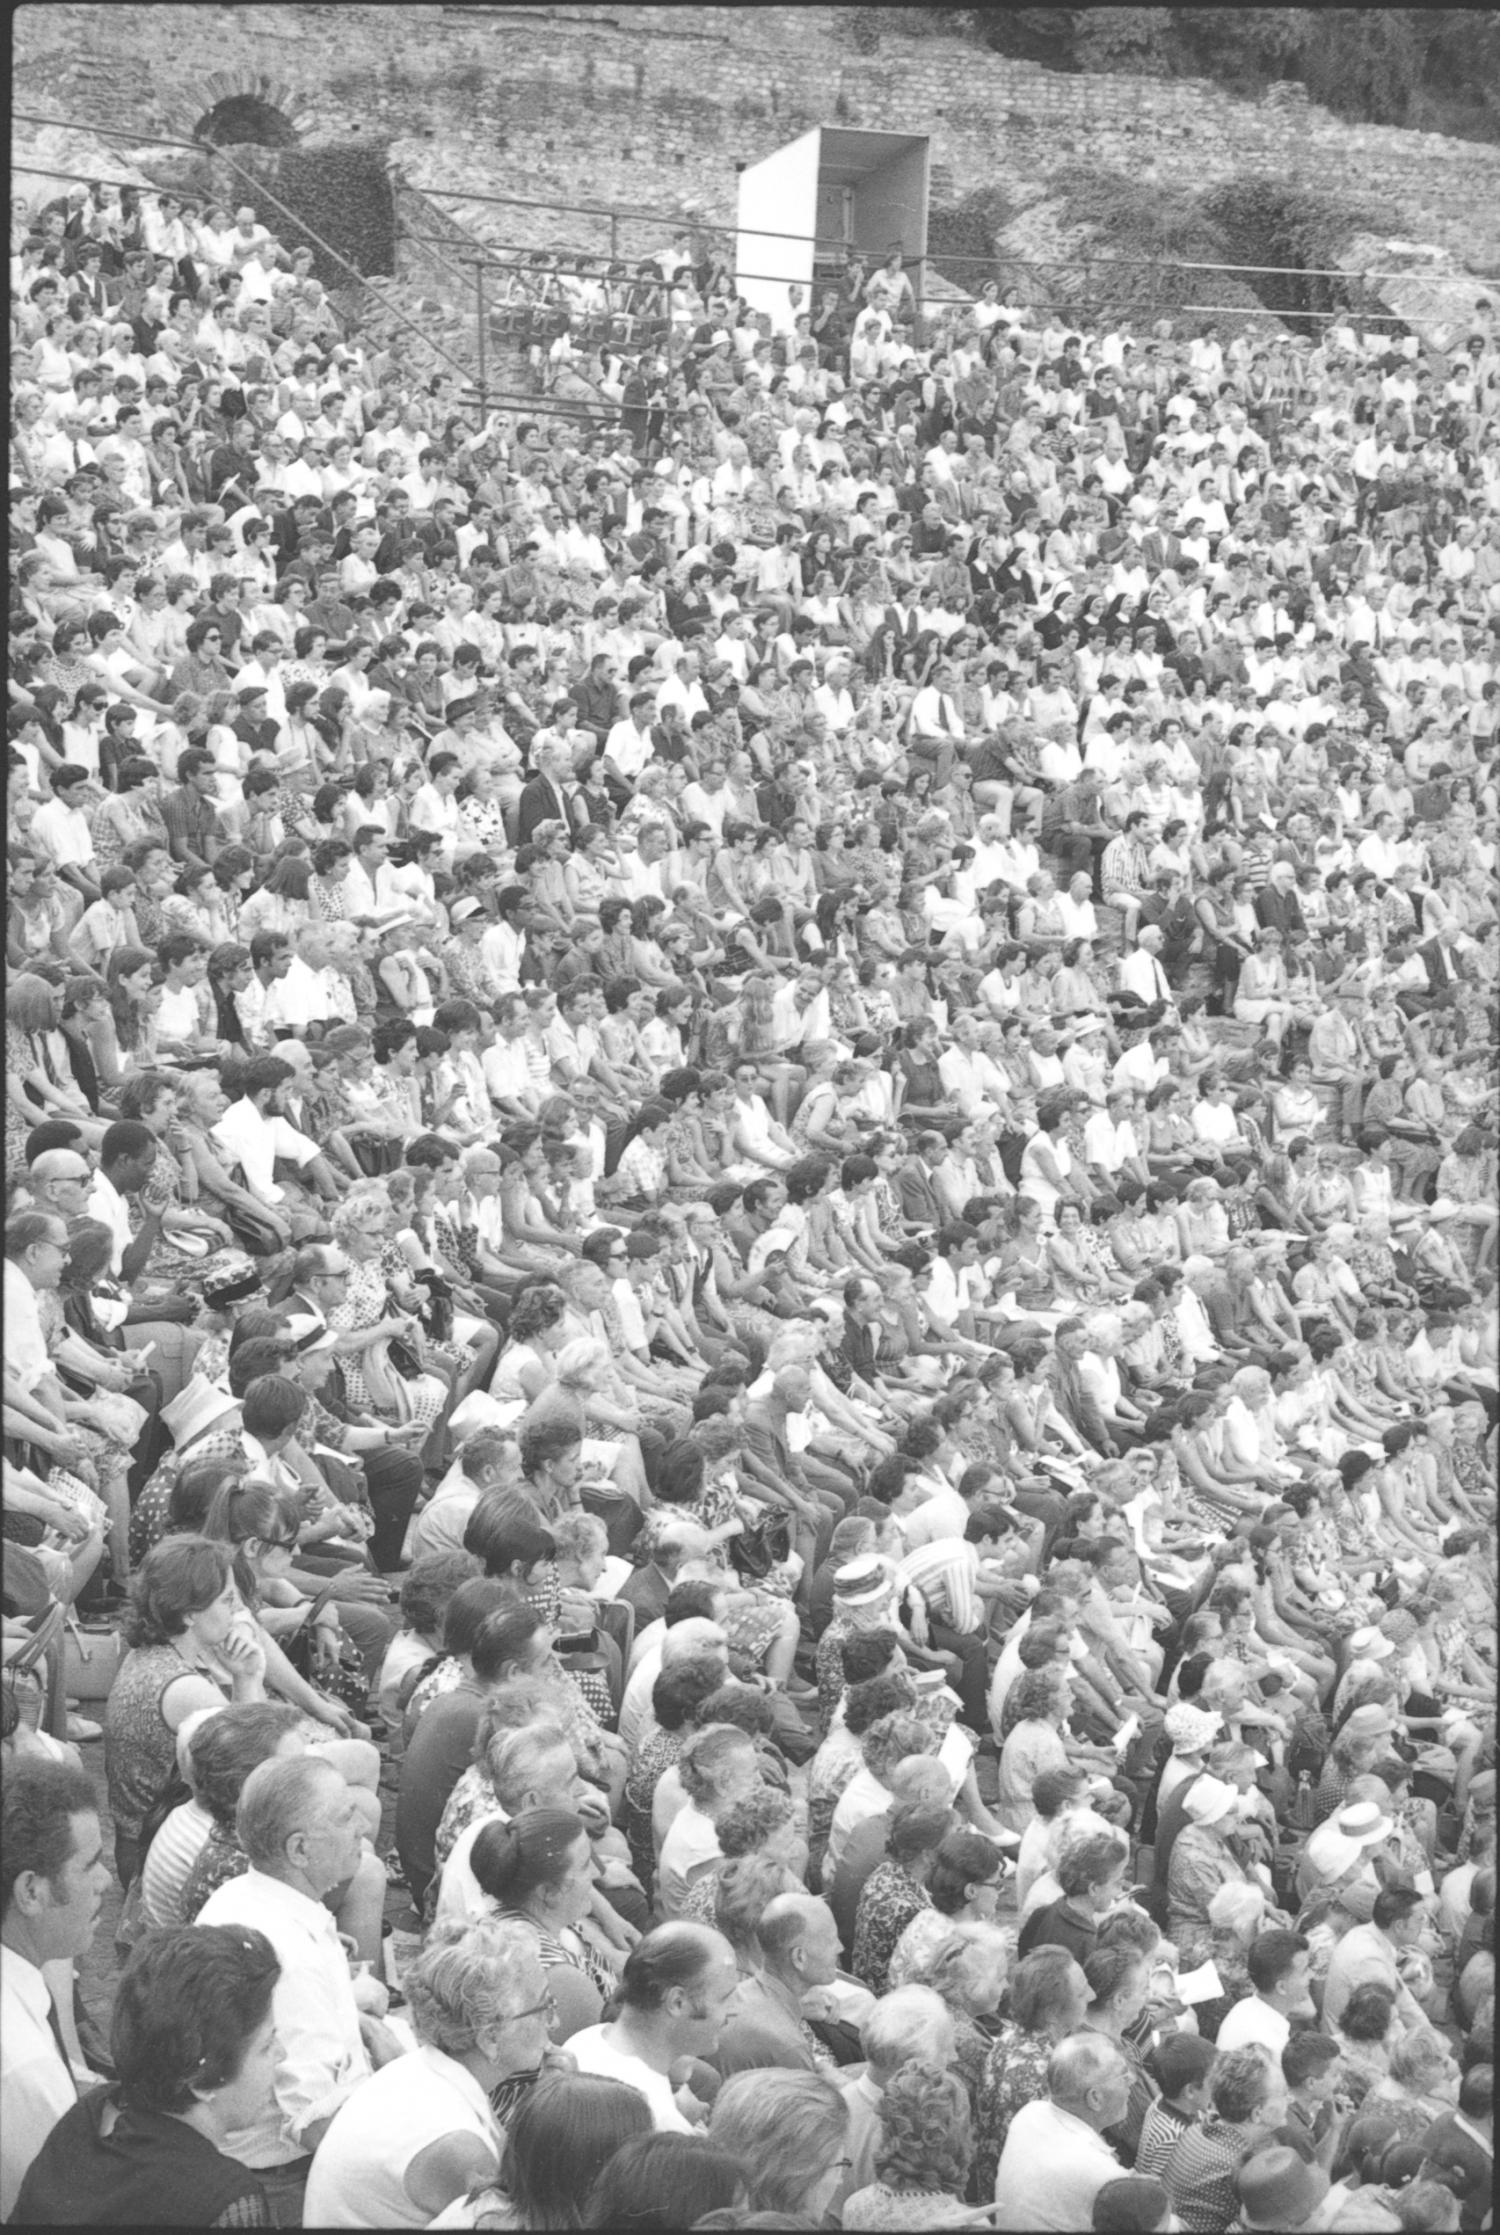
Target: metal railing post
{"points": [[484, 391]]}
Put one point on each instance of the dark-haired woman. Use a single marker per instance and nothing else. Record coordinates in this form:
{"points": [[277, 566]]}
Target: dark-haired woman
{"points": [[539, 1870], [185, 1653], [195, 2051]]}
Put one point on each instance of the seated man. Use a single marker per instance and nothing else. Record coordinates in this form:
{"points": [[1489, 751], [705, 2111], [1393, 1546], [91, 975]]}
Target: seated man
{"points": [[299, 1824]]}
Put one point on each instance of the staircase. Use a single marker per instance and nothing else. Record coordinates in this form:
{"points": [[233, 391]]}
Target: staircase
{"points": [[435, 284]]}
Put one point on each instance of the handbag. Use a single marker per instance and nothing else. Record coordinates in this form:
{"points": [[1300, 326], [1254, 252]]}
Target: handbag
{"points": [[92, 1653], [437, 1318], [589, 1670], [346, 1680], [760, 1546]]}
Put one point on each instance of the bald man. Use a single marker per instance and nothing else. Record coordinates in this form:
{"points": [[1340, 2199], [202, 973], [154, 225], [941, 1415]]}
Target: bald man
{"points": [[648, 1588], [59, 1181], [797, 1949]]}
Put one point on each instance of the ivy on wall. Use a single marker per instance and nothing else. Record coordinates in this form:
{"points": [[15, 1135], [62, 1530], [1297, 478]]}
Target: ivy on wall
{"points": [[1299, 233], [1139, 239], [966, 230]]}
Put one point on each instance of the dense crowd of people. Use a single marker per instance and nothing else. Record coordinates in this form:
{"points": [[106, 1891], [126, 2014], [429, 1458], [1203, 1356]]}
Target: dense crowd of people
{"points": [[750, 1268]]}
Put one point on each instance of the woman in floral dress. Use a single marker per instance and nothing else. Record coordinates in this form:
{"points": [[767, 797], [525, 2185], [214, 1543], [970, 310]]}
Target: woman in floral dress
{"points": [[896, 1889]]}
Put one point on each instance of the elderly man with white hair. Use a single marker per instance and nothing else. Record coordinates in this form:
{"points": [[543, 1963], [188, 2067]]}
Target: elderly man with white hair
{"points": [[301, 1828], [1055, 2159], [678, 1641]]}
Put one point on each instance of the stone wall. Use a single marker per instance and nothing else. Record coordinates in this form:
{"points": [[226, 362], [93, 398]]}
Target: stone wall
{"points": [[637, 108]]}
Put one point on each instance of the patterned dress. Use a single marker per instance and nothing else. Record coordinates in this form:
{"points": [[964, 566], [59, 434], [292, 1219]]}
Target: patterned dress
{"points": [[140, 1752], [1015, 2074], [655, 1756], [891, 1898], [221, 1858]]}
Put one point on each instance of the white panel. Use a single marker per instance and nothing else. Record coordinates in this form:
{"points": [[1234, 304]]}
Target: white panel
{"points": [[780, 196]]}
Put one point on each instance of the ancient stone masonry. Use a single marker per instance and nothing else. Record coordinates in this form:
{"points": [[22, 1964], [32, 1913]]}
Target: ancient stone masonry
{"points": [[653, 108]]}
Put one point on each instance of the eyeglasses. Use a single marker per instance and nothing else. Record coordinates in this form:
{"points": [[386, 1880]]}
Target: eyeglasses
{"points": [[548, 2004]]}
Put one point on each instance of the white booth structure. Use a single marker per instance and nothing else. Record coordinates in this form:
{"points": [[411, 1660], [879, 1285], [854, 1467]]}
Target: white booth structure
{"points": [[864, 190]]}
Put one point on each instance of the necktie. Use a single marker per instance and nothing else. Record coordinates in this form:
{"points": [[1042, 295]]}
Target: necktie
{"points": [[1163, 989], [54, 2023]]}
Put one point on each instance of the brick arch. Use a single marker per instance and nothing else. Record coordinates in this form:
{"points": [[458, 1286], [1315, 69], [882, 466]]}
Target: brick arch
{"points": [[194, 104]]}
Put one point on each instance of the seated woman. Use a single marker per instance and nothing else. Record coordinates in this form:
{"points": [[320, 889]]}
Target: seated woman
{"points": [[194, 2049], [538, 1870], [896, 1890], [417, 2135], [1296, 1105], [923, 2156], [380, 1309], [1263, 996], [1170, 1143], [1202, 1223], [1080, 1273], [216, 1748], [569, 1380]]}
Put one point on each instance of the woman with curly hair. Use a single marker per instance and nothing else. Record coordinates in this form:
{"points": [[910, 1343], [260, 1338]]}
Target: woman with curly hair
{"points": [[896, 1890], [372, 1315], [421, 2132], [923, 2156], [763, 1826]]}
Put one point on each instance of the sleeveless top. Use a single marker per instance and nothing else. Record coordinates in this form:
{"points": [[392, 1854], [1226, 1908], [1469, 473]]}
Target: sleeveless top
{"points": [[140, 1753], [555, 1953]]}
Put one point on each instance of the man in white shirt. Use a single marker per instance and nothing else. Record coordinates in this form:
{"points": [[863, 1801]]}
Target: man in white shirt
{"points": [[959, 1070], [127, 1157], [676, 1992], [52, 1880], [1141, 972], [300, 1827], [254, 1133], [60, 832], [935, 727], [628, 746], [1055, 2159], [1278, 1965], [435, 804], [1110, 1146], [372, 893], [36, 1250]]}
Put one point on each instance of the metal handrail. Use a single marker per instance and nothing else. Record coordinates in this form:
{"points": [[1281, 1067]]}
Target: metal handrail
{"points": [[259, 187], [680, 222]]}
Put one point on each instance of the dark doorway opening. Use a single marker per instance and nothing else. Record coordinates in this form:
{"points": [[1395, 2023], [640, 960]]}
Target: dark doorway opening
{"points": [[244, 120]]}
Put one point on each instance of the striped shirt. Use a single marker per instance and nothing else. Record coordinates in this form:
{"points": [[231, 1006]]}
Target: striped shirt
{"points": [[946, 1573]]}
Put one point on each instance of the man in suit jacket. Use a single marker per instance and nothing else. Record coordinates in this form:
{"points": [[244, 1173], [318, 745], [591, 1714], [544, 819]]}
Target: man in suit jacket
{"points": [[388, 1457], [544, 799], [1074, 1401], [1444, 965], [1277, 907], [648, 1588]]}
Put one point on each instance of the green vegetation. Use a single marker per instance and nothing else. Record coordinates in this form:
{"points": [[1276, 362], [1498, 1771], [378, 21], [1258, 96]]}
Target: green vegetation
{"points": [[1432, 69]]}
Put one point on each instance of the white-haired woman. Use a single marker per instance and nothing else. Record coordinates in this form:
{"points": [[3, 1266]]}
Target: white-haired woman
{"points": [[584, 1391], [1099, 1372], [421, 2131]]}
